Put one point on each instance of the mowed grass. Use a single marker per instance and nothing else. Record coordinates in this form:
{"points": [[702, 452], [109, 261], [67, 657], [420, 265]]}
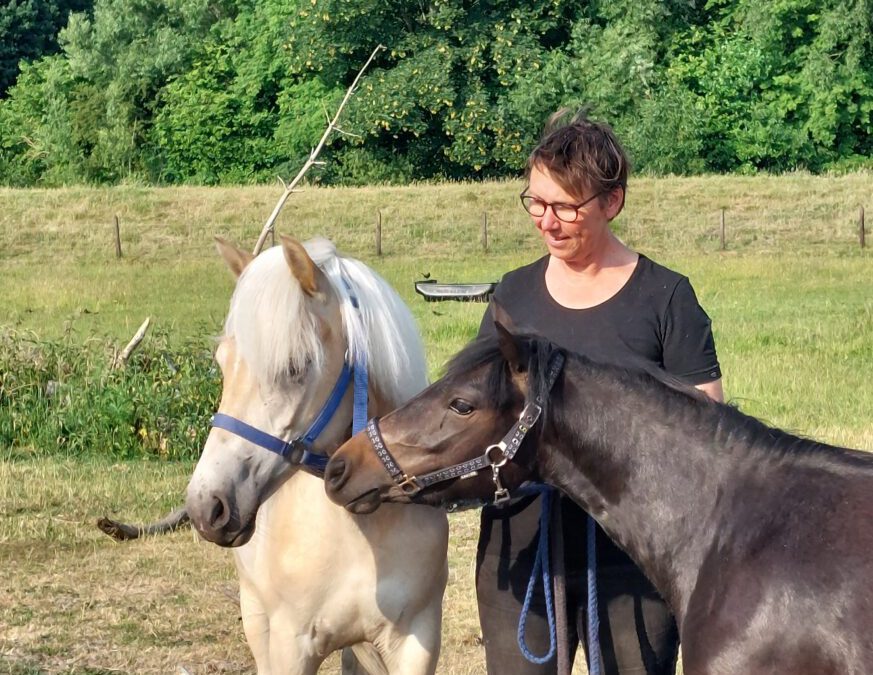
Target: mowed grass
{"points": [[790, 300]]}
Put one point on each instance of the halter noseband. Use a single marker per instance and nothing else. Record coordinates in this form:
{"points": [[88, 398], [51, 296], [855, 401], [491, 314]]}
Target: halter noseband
{"points": [[495, 456], [299, 450]]}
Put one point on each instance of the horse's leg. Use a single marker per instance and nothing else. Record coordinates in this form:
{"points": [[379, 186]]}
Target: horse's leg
{"points": [[286, 657], [362, 659], [416, 650], [296, 648], [256, 627]]}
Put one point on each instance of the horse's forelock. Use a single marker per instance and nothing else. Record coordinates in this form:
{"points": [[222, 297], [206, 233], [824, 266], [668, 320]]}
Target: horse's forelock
{"points": [[275, 330], [477, 354]]}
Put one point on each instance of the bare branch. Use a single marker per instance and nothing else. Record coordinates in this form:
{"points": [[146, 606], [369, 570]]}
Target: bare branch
{"points": [[346, 133], [332, 125], [133, 344]]}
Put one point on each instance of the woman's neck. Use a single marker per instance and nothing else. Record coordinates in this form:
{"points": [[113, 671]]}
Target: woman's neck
{"points": [[585, 282]]}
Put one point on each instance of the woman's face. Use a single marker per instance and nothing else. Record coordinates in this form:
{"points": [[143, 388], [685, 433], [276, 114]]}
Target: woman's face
{"points": [[574, 241]]}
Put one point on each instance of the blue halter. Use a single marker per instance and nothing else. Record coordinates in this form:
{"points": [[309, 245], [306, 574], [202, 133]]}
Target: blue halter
{"points": [[300, 450]]}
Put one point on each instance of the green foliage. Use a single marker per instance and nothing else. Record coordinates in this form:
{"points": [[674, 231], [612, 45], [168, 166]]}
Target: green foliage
{"points": [[235, 91], [28, 30], [62, 398], [206, 131], [668, 133], [451, 93], [784, 85], [238, 115], [38, 126]]}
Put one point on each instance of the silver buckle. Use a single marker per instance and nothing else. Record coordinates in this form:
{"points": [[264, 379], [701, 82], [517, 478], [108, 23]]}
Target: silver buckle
{"points": [[409, 486]]}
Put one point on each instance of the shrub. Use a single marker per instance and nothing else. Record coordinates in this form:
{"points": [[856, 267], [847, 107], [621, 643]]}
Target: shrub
{"points": [[62, 398]]}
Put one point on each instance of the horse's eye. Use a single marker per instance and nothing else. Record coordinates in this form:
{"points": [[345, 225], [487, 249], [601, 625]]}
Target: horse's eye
{"points": [[461, 407]]}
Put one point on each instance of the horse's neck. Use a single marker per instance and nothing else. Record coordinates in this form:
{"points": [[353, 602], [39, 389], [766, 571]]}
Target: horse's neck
{"points": [[652, 483]]}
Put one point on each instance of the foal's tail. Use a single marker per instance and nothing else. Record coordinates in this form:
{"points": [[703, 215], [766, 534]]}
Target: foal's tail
{"points": [[123, 532]]}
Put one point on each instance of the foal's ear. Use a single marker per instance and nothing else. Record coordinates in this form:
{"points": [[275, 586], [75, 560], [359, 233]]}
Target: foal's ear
{"points": [[301, 264], [501, 316], [236, 258], [510, 349]]}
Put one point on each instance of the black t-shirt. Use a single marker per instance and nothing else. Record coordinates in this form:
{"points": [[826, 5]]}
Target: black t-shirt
{"points": [[653, 321]]}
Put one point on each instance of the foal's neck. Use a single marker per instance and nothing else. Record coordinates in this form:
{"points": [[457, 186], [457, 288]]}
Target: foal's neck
{"points": [[642, 459]]}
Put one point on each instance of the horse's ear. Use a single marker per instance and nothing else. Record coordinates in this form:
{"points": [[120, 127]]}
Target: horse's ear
{"points": [[509, 347], [501, 316], [301, 264], [235, 257]]}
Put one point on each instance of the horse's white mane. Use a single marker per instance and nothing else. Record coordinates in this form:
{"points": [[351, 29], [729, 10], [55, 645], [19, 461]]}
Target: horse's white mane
{"points": [[276, 333]]}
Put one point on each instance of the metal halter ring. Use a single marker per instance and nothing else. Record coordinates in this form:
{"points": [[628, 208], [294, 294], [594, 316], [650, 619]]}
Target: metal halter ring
{"points": [[501, 448]]}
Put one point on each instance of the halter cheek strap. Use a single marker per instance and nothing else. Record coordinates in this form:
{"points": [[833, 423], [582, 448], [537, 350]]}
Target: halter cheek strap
{"points": [[299, 450], [495, 456]]}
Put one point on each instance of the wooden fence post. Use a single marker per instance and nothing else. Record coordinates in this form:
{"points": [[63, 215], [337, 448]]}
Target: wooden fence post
{"points": [[723, 244], [117, 238], [379, 232], [485, 231]]}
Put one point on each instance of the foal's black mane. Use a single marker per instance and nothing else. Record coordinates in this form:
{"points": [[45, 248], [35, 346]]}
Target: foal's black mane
{"points": [[677, 396]]}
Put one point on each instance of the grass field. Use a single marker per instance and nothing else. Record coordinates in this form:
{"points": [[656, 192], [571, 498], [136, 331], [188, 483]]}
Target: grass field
{"points": [[790, 300]]}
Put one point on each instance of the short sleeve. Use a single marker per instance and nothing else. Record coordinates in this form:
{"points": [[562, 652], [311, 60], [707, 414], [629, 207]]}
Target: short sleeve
{"points": [[688, 345], [486, 326]]}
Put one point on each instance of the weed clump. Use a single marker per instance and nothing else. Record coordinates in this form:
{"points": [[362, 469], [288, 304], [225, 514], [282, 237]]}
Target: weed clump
{"points": [[65, 399]]}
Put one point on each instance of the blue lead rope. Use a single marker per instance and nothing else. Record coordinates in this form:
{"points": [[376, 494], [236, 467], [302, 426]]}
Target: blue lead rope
{"points": [[595, 667], [541, 565], [541, 569], [361, 383]]}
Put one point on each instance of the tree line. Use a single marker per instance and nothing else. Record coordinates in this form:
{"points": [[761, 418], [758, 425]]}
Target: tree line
{"points": [[230, 91]]}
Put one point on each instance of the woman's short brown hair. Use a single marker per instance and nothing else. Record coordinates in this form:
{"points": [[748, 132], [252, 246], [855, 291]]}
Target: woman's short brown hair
{"points": [[581, 155]]}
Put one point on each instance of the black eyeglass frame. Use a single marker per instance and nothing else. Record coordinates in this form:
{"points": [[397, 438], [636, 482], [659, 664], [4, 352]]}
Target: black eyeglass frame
{"points": [[552, 205]]}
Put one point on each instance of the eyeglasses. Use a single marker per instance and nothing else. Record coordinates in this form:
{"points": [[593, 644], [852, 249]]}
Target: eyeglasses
{"points": [[566, 213]]}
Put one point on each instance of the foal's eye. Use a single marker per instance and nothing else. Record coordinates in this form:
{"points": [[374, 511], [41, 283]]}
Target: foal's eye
{"points": [[461, 407]]}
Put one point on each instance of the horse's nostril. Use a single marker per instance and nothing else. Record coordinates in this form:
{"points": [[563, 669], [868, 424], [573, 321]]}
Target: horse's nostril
{"points": [[335, 473], [220, 513]]}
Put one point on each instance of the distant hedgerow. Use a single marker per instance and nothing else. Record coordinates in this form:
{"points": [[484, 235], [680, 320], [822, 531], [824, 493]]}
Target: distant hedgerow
{"points": [[60, 398]]}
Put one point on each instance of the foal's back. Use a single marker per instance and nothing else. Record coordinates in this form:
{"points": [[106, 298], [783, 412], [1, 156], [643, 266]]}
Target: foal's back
{"points": [[786, 588]]}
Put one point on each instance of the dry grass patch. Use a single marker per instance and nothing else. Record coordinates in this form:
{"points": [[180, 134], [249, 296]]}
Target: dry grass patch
{"points": [[72, 601]]}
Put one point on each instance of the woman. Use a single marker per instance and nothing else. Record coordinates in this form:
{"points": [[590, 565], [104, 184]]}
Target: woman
{"points": [[590, 294]]}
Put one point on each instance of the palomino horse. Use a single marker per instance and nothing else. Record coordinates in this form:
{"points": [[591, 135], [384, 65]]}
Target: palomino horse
{"points": [[313, 577], [761, 542]]}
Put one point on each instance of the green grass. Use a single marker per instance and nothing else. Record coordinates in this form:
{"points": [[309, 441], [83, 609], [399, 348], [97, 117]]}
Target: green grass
{"points": [[790, 301]]}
